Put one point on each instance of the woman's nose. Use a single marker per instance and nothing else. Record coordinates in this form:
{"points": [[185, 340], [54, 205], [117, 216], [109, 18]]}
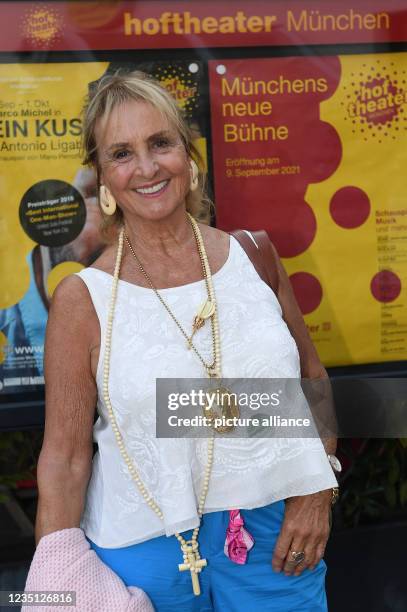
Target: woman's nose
{"points": [[146, 166]]}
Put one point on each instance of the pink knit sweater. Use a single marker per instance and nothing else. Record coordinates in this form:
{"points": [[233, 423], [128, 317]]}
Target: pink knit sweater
{"points": [[64, 561]]}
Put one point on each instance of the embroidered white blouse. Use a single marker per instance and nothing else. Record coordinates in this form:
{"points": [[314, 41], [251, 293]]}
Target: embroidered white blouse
{"points": [[146, 344]]}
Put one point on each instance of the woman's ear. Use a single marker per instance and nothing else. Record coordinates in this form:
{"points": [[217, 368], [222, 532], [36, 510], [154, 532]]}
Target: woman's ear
{"points": [[194, 175], [99, 176]]}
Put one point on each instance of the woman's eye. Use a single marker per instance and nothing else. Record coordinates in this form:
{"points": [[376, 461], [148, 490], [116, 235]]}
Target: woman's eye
{"points": [[121, 155], [162, 143]]}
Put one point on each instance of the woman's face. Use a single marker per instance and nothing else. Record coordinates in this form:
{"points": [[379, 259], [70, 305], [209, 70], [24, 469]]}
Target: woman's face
{"points": [[143, 161]]}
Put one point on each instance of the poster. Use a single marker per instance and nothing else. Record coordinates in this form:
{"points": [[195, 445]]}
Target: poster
{"points": [[312, 149], [48, 207], [306, 146], [50, 218]]}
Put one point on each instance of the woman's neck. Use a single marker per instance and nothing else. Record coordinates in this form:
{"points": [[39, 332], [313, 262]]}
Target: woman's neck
{"points": [[160, 237]]}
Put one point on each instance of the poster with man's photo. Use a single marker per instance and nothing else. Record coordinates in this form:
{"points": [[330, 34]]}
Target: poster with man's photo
{"points": [[50, 218]]}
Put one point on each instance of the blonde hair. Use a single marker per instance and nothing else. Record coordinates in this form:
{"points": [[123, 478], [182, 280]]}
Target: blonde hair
{"points": [[114, 89]]}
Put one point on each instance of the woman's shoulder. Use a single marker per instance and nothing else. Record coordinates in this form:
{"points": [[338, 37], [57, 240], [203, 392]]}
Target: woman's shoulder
{"points": [[213, 235], [106, 260], [72, 302], [73, 292], [217, 244]]}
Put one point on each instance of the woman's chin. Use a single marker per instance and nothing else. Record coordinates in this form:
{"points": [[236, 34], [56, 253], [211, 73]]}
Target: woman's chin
{"points": [[157, 210]]}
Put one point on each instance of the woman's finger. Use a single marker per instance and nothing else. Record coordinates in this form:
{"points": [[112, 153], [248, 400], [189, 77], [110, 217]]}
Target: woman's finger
{"points": [[281, 548], [319, 553], [294, 562], [320, 544], [309, 551]]}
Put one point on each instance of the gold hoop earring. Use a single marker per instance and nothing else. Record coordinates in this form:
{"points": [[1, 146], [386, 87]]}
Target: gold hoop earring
{"points": [[194, 175], [107, 201]]}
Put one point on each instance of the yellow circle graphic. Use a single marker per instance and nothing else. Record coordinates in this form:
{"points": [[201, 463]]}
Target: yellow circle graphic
{"points": [[59, 272], [3, 347]]}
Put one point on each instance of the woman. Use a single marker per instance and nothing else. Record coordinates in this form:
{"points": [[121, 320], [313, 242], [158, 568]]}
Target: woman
{"points": [[170, 297]]}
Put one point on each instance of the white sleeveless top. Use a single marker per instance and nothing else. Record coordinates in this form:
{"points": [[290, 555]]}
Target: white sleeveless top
{"points": [[146, 344]]}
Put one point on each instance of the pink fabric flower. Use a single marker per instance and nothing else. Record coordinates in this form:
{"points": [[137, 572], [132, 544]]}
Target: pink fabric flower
{"points": [[238, 540]]}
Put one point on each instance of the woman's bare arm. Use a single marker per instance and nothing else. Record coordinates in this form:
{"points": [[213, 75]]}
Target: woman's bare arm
{"points": [[311, 366], [64, 465]]}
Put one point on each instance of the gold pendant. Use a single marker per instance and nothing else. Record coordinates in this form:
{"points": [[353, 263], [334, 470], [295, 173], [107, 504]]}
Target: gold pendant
{"points": [[206, 310], [222, 406], [213, 371]]}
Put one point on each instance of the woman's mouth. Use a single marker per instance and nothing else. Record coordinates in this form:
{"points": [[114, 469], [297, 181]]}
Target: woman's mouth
{"points": [[154, 190]]}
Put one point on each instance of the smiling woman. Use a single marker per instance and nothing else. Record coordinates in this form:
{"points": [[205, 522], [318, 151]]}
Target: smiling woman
{"points": [[171, 297], [146, 166], [165, 139]]}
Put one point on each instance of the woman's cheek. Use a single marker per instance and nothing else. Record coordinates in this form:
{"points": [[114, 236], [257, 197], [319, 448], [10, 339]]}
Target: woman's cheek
{"points": [[182, 187], [119, 176]]}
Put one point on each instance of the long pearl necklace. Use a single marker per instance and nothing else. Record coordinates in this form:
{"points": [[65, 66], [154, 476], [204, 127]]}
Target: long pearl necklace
{"points": [[190, 548]]}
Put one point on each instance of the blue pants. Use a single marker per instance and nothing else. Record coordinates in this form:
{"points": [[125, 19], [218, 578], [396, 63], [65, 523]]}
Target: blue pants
{"points": [[225, 586]]}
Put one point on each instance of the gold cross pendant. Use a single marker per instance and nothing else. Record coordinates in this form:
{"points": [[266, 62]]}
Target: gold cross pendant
{"points": [[194, 564]]}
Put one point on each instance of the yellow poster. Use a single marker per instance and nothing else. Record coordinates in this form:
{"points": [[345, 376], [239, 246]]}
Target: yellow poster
{"points": [[313, 150], [49, 216], [359, 253], [49, 213]]}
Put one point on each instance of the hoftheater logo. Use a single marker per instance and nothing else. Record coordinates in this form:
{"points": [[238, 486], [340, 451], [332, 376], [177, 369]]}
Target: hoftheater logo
{"points": [[187, 23], [376, 100], [42, 25]]}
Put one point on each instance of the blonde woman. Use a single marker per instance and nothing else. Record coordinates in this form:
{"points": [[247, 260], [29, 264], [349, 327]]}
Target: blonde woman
{"points": [[158, 513]]}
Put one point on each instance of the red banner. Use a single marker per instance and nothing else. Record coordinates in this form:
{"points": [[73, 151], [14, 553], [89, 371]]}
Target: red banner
{"points": [[269, 143], [64, 26]]}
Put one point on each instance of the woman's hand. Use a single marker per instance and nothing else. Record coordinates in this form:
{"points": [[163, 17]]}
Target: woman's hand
{"points": [[305, 529]]}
